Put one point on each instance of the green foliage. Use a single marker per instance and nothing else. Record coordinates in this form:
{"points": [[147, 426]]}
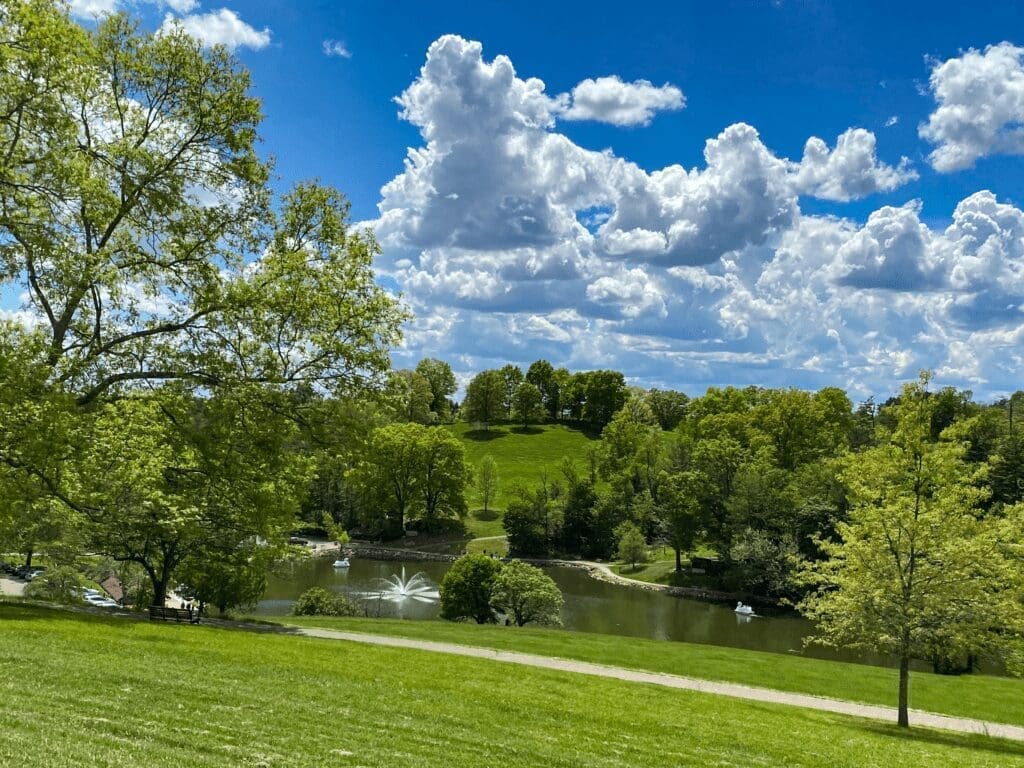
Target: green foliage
{"points": [[762, 562], [487, 480], [59, 585], [632, 547], [411, 396], [485, 398], [512, 376], [527, 406], [526, 594], [320, 602], [466, 589], [668, 406], [916, 570], [441, 381], [411, 471]]}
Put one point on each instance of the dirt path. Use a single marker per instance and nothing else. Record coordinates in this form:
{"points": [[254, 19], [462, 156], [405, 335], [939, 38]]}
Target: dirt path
{"points": [[735, 690], [12, 587]]}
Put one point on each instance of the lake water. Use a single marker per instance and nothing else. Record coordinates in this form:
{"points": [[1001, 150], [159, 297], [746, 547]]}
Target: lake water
{"points": [[590, 606]]}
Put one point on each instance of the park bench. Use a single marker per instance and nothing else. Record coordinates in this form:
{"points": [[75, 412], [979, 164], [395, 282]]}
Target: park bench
{"points": [[159, 613]]}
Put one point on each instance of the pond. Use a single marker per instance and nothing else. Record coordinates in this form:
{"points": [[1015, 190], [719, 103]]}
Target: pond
{"points": [[590, 606]]}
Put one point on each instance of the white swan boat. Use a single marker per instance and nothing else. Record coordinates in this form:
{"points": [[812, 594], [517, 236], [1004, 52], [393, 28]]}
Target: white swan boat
{"points": [[744, 610], [343, 563]]}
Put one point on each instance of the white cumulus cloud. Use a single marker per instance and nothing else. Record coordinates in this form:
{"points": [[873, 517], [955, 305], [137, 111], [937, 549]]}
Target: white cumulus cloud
{"points": [[980, 107], [336, 48], [221, 27], [611, 100], [850, 170]]}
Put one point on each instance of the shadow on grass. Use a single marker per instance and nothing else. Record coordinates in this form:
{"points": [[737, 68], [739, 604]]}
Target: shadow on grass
{"points": [[490, 514], [972, 741], [485, 435], [528, 430]]}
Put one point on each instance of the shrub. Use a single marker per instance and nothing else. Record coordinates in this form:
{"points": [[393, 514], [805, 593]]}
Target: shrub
{"points": [[527, 594], [466, 589], [60, 585], [319, 602]]}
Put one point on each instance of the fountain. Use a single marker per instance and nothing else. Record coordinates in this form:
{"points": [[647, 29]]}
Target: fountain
{"points": [[418, 587]]}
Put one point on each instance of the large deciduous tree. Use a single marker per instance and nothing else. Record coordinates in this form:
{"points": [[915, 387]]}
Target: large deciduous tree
{"points": [[916, 570], [484, 401], [137, 220]]}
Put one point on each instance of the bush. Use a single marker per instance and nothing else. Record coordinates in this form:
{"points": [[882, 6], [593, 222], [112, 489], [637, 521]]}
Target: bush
{"points": [[59, 585], [319, 602], [466, 589], [526, 594]]}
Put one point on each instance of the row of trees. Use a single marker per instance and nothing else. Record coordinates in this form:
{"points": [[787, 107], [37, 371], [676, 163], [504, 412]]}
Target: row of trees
{"points": [[544, 393]]}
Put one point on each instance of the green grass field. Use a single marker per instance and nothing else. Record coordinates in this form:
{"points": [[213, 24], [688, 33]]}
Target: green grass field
{"points": [[523, 456], [96, 691], [978, 696]]}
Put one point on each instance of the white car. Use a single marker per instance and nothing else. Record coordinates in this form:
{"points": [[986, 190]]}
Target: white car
{"points": [[99, 601]]}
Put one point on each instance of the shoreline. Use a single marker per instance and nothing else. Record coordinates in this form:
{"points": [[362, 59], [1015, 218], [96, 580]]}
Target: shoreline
{"points": [[597, 571]]}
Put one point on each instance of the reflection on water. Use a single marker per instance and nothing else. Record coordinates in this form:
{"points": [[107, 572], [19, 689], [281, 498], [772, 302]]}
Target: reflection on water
{"points": [[590, 606]]}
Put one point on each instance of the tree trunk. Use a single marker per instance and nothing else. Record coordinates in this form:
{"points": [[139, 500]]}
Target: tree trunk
{"points": [[679, 560], [903, 718], [159, 592], [28, 558]]}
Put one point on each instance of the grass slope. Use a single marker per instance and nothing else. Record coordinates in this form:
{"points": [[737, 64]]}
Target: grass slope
{"points": [[523, 456], [106, 692], [978, 696]]}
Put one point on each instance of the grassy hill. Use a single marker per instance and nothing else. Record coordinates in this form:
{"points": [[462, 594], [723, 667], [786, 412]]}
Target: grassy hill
{"points": [[89, 690], [523, 456], [976, 696]]}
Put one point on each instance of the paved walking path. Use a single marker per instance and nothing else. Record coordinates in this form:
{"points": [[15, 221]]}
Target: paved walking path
{"points": [[735, 690]]}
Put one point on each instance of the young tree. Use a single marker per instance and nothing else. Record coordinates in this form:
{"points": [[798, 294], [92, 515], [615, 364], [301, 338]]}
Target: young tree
{"points": [[528, 407], [484, 398], [467, 587], [527, 594], [632, 547], [487, 480], [916, 570]]}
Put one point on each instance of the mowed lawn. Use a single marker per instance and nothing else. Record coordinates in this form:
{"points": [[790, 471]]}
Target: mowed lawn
{"points": [[523, 457], [984, 697], [96, 691]]}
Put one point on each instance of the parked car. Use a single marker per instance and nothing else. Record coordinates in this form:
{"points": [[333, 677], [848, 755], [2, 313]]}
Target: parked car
{"points": [[297, 540], [100, 601]]}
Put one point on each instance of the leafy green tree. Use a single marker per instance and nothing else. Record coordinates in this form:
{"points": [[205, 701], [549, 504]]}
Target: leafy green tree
{"points": [[487, 480], [444, 475], [512, 376], [668, 406], [527, 407], [542, 375], [317, 601], [916, 570], [527, 524], [389, 475], [442, 385], [411, 397], [763, 562], [679, 510], [605, 395], [527, 595], [137, 219], [632, 547], [484, 398], [578, 517], [167, 478], [467, 587]]}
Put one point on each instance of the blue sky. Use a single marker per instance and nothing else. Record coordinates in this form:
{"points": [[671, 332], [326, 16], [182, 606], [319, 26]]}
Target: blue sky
{"points": [[756, 263]]}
